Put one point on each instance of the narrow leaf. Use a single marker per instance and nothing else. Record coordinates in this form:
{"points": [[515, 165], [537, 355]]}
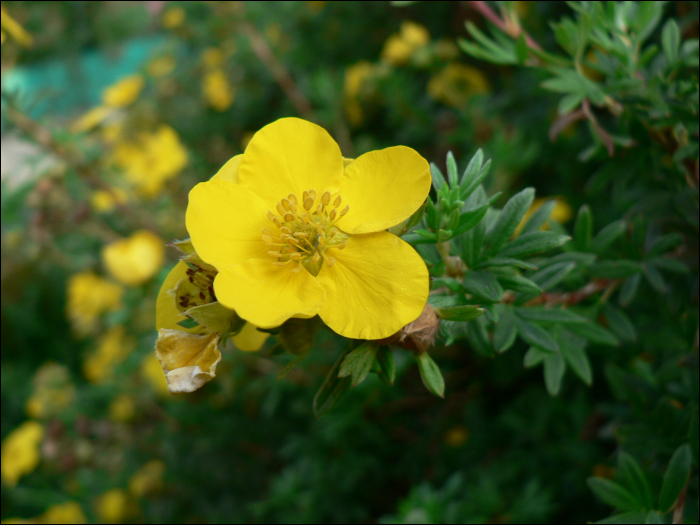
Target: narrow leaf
{"points": [[536, 336], [676, 477], [473, 169], [452, 176], [438, 177], [358, 363], [430, 374], [470, 218], [539, 217], [534, 356], [332, 389], [479, 337], [594, 333], [629, 289], [385, 358], [619, 324], [619, 269], [583, 228], [613, 494], [533, 242], [505, 333], [655, 278], [506, 261], [573, 348], [554, 368], [671, 40], [466, 189], [459, 313], [607, 236], [518, 283], [547, 278], [483, 285], [632, 477], [511, 215], [551, 315]]}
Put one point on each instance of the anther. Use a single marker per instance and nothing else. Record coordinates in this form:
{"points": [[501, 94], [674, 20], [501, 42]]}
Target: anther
{"points": [[316, 257], [292, 198], [333, 232], [342, 245], [270, 216], [202, 296], [305, 195], [337, 201], [312, 194], [301, 234], [345, 210], [285, 204], [288, 217], [319, 209], [293, 207], [280, 208], [274, 254], [267, 232], [305, 218], [267, 239], [331, 215], [308, 202], [286, 230], [319, 229], [295, 257], [330, 261], [279, 263], [277, 222], [326, 198], [297, 269]]}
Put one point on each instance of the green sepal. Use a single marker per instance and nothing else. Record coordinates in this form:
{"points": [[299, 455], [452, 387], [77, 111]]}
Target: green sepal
{"points": [[430, 374], [358, 363], [216, 318], [387, 365]]}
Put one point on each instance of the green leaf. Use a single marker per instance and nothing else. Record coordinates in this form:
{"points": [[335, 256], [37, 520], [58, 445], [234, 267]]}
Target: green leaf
{"points": [[188, 323], [607, 236], [629, 289], [484, 285], [505, 332], [554, 368], [671, 41], [444, 235], [676, 476], [594, 333], [625, 518], [619, 324], [294, 362], [521, 49], [613, 494], [533, 357], [532, 242], [511, 215], [548, 278], [536, 336], [569, 102], [467, 189], [619, 269], [431, 215], [631, 476], [470, 218], [550, 315], [332, 389], [479, 338], [655, 278], [452, 175], [539, 217], [358, 363], [670, 265], [583, 228], [473, 169], [415, 219], [385, 358], [573, 348], [459, 313], [654, 517], [430, 374], [506, 261], [438, 177], [518, 283]]}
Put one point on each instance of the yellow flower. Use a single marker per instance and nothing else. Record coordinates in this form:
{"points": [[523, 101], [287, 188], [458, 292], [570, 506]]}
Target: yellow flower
{"points": [[148, 479], [161, 66], [212, 57], [16, 31], [293, 233], [561, 213], [399, 48], [113, 506], [20, 451], [103, 201], [134, 260], [173, 17], [53, 391], [217, 90], [123, 93], [68, 512], [456, 83], [112, 349], [91, 119], [355, 76], [90, 296], [152, 160], [122, 408], [152, 373]]}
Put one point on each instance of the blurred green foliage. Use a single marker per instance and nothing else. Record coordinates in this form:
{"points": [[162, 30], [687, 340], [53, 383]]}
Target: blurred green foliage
{"points": [[595, 104]]}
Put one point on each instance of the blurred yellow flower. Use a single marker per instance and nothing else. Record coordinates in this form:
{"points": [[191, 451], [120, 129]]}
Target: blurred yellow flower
{"points": [[148, 479], [113, 506], [112, 349], [91, 119], [68, 512], [400, 47], [53, 391], [212, 58], [90, 296], [456, 83], [273, 32], [151, 160], [122, 408], [161, 66], [152, 372], [20, 452], [561, 213], [315, 6], [104, 201], [134, 260], [218, 91], [446, 49], [355, 76], [456, 436], [11, 27], [173, 17], [123, 93]]}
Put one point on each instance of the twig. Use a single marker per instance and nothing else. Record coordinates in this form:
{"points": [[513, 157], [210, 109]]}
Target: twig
{"points": [[510, 29]]}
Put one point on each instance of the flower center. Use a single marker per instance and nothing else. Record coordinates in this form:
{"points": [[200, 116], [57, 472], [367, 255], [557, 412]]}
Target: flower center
{"points": [[304, 230]]}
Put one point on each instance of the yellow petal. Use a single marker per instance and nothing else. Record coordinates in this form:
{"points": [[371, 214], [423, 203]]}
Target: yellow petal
{"points": [[68, 512], [136, 259], [225, 221], [229, 171], [383, 188], [267, 295], [250, 339], [167, 312], [188, 360], [290, 156], [20, 451], [377, 285]]}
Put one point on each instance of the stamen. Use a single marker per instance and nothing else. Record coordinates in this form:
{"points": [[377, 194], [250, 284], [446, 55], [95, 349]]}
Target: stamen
{"points": [[316, 257], [308, 202], [286, 230], [293, 207], [326, 198], [330, 261], [305, 195], [305, 218], [319, 209], [319, 229], [312, 194], [267, 239], [280, 208], [280, 263], [270, 216], [342, 245], [288, 217], [285, 204], [331, 215], [292, 198], [333, 232], [274, 254], [301, 234], [337, 201], [297, 269], [277, 222], [345, 210], [267, 232], [296, 257]]}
